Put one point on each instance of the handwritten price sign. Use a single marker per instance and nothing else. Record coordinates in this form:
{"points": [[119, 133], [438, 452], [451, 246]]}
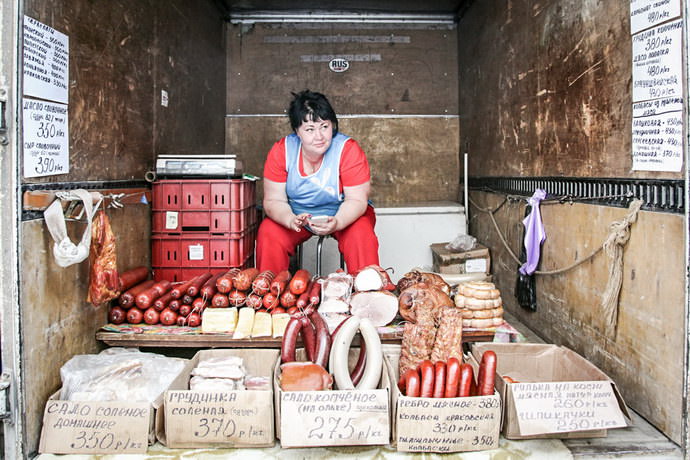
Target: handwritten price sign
{"points": [[46, 138]]}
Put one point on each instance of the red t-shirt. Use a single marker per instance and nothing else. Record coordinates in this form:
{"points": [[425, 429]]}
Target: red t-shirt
{"points": [[354, 167]]}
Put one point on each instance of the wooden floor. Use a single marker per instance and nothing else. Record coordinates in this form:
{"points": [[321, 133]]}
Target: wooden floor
{"points": [[642, 440]]}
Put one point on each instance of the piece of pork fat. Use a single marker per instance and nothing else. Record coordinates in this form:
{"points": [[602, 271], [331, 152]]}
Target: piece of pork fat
{"points": [[380, 307], [373, 278]]}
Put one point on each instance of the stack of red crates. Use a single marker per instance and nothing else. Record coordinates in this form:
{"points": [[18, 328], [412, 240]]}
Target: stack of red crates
{"points": [[201, 226]]}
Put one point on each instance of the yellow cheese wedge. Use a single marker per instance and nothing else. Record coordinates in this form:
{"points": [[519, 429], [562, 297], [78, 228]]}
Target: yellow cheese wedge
{"points": [[215, 320], [262, 324], [245, 323], [280, 321]]}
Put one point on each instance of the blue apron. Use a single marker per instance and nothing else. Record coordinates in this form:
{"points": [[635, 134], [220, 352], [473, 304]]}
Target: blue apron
{"points": [[319, 193]]}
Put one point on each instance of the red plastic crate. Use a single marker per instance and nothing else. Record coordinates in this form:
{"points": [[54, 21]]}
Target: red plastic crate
{"points": [[182, 274], [226, 221], [202, 250], [197, 194]]}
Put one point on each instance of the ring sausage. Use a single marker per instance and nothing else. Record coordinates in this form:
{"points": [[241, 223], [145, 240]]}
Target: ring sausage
{"points": [[308, 337], [289, 343], [323, 341], [358, 370]]}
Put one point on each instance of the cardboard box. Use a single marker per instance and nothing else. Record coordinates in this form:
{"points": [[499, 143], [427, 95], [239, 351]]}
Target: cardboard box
{"points": [[238, 418], [442, 424], [100, 427], [333, 418], [559, 395], [475, 260]]}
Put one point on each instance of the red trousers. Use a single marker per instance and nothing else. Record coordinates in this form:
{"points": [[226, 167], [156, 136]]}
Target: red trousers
{"points": [[358, 244]]}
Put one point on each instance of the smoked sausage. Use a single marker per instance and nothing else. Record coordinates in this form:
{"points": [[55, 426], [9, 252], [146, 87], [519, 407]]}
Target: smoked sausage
{"points": [[225, 282], [426, 371], [132, 277], [439, 379], [128, 297], [308, 337], [466, 381], [208, 290], [300, 281], [452, 378], [262, 283], [323, 342], [280, 282], [198, 282], [289, 342], [243, 280], [487, 374], [145, 298]]}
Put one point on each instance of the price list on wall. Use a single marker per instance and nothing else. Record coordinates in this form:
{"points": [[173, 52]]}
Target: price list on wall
{"points": [[45, 110], [657, 79]]}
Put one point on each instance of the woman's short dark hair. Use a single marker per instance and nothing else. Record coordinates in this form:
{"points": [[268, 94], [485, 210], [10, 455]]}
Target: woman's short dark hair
{"points": [[310, 106]]}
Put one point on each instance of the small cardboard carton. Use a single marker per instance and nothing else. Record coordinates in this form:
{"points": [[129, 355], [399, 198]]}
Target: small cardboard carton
{"points": [[557, 394], [332, 418], [475, 260], [236, 418], [442, 424], [100, 427]]}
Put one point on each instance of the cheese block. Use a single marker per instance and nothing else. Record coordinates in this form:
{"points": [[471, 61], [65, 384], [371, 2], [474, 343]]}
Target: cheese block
{"points": [[214, 320], [262, 324], [280, 321], [245, 322]]}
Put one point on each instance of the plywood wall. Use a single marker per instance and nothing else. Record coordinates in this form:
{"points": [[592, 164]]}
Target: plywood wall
{"points": [[545, 91], [122, 54], [398, 99]]}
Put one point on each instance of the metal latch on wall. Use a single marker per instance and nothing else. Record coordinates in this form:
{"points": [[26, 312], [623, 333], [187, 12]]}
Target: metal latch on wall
{"points": [[5, 411], [4, 139]]}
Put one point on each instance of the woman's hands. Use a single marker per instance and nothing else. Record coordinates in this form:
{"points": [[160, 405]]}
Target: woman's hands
{"points": [[324, 226], [299, 221]]}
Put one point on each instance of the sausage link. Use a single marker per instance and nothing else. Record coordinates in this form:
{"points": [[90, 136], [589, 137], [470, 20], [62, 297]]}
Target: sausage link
{"points": [[174, 304], [439, 379], [413, 384], [145, 298], [300, 281], [466, 381], [487, 374], [131, 278], [180, 289], [128, 297], [163, 301], [315, 292], [254, 301], [199, 281], [289, 343], [237, 298], [262, 283], [209, 289], [243, 280], [280, 282], [220, 301], [270, 301], [426, 371], [303, 299], [287, 299], [452, 377], [224, 283]]}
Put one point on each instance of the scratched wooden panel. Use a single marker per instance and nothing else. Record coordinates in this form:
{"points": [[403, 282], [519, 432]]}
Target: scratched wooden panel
{"points": [[412, 159], [392, 69], [122, 53], [57, 322], [545, 89], [643, 358]]}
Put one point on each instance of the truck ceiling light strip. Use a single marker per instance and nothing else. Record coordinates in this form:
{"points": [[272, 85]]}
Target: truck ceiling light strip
{"points": [[664, 195], [374, 18]]}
